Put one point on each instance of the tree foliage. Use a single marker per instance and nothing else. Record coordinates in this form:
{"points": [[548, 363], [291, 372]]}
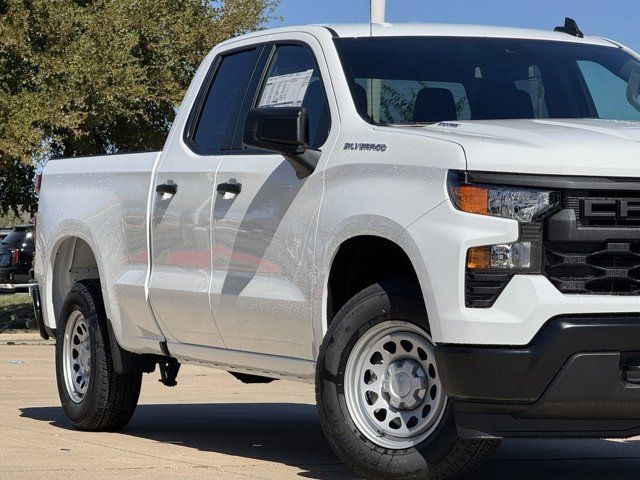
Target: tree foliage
{"points": [[81, 77]]}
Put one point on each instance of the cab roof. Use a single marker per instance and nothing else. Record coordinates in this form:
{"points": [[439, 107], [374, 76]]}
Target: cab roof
{"points": [[430, 30]]}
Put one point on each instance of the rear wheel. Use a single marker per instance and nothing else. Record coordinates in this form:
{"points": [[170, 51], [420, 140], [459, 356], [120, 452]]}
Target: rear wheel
{"points": [[94, 396], [380, 396]]}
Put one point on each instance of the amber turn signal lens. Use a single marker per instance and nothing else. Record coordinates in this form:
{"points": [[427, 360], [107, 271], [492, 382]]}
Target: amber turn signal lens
{"points": [[479, 258], [472, 199]]}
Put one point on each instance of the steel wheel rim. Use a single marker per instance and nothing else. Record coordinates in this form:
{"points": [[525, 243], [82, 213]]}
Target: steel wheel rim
{"points": [[394, 395], [77, 356]]}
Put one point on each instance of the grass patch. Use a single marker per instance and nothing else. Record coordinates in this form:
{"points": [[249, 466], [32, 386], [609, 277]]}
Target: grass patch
{"points": [[15, 311]]}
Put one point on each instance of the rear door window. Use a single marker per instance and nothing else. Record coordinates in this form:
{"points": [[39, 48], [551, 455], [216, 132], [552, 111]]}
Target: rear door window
{"points": [[216, 124]]}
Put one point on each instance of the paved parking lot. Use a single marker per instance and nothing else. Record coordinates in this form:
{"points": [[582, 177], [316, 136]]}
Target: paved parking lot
{"points": [[212, 426]]}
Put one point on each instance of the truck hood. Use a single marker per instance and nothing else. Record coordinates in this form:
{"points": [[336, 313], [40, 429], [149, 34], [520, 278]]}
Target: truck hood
{"points": [[562, 147]]}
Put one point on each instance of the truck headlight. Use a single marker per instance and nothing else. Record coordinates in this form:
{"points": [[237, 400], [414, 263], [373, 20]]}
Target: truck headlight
{"points": [[525, 205], [522, 204], [510, 256]]}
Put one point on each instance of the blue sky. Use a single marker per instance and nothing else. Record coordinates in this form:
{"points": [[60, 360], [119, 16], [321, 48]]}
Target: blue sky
{"points": [[616, 19]]}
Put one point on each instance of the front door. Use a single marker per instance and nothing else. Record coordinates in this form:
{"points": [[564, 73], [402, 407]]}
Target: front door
{"points": [[264, 218], [181, 233]]}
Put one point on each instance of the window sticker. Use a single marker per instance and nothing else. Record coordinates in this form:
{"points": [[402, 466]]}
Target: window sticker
{"points": [[286, 90]]}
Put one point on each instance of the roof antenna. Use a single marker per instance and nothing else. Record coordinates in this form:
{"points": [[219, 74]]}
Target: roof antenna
{"points": [[570, 28]]}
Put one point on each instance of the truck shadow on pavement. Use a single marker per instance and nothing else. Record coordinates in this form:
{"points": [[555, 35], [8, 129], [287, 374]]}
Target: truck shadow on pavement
{"points": [[290, 434]]}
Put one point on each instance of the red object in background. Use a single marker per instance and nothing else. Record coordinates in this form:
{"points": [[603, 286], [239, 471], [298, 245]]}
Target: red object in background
{"points": [[15, 256]]}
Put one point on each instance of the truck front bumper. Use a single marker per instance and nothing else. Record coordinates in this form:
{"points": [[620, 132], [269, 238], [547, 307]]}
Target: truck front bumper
{"points": [[579, 377]]}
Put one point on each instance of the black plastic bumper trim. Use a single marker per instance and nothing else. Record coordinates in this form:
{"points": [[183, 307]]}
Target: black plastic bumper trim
{"points": [[34, 291], [588, 398], [520, 375]]}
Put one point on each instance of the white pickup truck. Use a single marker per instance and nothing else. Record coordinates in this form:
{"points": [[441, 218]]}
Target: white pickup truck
{"points": [[438, 225]]}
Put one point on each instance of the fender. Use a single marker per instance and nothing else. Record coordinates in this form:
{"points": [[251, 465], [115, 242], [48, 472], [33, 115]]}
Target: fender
{"points": [[65, 231]]}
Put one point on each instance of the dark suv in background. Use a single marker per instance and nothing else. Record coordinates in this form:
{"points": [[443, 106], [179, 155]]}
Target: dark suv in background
{"points": [[16, 258], [4, 231]]}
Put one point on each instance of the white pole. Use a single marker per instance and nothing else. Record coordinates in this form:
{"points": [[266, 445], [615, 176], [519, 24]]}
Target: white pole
{"points": [[377, 11], [374, 90]]}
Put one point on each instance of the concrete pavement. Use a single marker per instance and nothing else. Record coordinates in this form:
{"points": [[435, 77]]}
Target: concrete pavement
{"points": [[22, 337], [212, 426]]}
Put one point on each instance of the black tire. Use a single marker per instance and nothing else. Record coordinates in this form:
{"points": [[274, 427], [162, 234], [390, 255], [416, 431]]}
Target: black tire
{"points": [[443, 455], [111, 397]]}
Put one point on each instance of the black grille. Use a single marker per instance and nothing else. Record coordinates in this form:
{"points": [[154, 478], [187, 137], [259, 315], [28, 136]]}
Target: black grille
{"points": [[604, 208], [605, 268], [483, 288], [592, 246]]}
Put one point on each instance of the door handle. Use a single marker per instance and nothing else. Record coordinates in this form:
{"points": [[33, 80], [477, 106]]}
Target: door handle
{"points": [[229, 187], [170, 188]]}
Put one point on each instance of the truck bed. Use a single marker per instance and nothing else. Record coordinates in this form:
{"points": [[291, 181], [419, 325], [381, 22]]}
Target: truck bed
{"points": [[102, 199]]}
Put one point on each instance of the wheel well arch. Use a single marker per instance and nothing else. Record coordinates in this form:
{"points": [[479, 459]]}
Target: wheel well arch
{"points": [[74, 260], [360, 262]]}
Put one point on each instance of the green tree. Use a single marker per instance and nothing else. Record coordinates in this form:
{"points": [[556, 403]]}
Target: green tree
{"points": [[82, 77]]}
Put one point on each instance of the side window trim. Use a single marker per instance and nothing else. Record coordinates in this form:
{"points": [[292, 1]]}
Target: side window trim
{"points": [[198, 105], [249, 101]]}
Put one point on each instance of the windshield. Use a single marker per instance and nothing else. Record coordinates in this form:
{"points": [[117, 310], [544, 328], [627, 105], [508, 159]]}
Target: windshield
{"points": [[409, 80]]}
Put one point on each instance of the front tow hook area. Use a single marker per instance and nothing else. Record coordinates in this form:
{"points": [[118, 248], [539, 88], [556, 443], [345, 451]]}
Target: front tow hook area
{"points": [[630, 369]]}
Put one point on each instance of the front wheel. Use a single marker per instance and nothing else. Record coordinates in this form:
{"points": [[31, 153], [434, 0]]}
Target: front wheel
{"points": [[380, 396], [94, 396]]}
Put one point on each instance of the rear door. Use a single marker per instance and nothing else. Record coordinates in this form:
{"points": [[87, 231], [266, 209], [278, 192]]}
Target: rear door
{"points": [[181, 235], [260, 287]]}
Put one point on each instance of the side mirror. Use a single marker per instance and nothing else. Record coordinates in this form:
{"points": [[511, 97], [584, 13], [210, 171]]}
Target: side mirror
{"points": [[633, 89], [283, 130]]}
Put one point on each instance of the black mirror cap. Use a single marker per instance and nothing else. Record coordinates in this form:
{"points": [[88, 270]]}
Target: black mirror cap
{"points": [[283, 130]]}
